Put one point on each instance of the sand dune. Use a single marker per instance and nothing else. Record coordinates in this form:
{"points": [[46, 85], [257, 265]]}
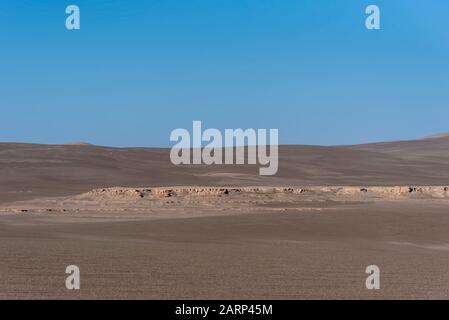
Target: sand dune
{"points": [[28, 171], [139, 227]]}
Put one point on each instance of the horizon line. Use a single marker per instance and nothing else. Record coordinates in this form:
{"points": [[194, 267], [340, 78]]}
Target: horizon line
{"points": [[87, 144]]}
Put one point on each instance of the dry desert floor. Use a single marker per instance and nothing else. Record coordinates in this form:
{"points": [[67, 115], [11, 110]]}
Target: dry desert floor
{"points": [[138, 227]]}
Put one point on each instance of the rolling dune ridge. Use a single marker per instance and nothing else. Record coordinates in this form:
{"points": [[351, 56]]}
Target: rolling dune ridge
{"points": [[139, 227]]}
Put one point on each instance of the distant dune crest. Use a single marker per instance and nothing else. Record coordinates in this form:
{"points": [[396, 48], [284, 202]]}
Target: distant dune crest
{"points": [[437, 136], [78, 143]]}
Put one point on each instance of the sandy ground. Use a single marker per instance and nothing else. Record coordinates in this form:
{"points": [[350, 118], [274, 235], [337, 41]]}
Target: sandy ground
{"points": [[225, 232], [311, 254], [29, 171]]}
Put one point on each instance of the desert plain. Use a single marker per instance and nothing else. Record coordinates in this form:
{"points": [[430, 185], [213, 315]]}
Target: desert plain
{"points": [[139, 227]]}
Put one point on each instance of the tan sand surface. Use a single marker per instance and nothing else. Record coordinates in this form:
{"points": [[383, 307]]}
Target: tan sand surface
{"points": [[311, 254], [139, 227]]}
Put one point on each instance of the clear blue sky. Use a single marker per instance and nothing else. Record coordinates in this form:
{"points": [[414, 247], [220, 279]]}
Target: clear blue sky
{"points": [[138, 69]]}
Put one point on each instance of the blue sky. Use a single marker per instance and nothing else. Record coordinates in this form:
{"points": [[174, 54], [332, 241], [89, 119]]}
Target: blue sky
{"points": [[139, 69]]}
